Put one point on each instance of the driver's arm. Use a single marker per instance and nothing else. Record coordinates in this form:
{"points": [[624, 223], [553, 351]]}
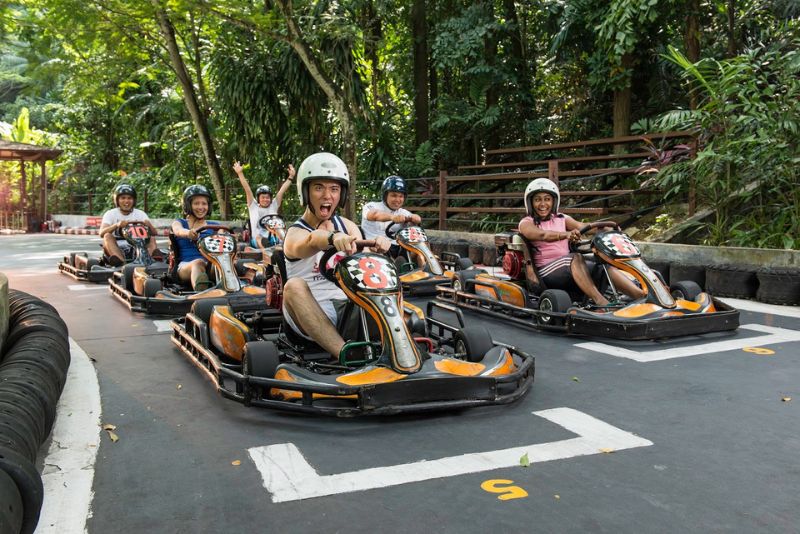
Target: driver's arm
{"points": [[248, 193], [284, 186], [574, 228], [531, 232], [383, 216], [106, 228], [180, 231], [300, 244]]}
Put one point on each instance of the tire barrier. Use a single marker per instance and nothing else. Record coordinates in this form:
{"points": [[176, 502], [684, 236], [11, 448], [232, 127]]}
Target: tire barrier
{"points": [[735, 281], [778, 286], [476, 253], [33, 370], [489, 255], [662, 267], [678, 272], [458, 246]]}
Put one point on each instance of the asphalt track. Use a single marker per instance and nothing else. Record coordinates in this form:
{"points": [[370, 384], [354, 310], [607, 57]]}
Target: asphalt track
{"points": [[694, 435]]}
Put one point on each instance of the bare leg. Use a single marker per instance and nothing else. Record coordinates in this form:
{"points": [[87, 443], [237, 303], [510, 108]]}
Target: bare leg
{"points": [[111, 248], [625, 284], [194, 272], [580, 273], [307, 314]]}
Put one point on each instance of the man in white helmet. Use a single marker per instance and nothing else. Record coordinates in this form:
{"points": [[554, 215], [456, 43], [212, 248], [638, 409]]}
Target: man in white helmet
{"points": [[116, 248], [550, 233], [311, 303]]}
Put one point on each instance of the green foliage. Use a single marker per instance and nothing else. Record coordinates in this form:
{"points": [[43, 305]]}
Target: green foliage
{"points": [[749, 119]]}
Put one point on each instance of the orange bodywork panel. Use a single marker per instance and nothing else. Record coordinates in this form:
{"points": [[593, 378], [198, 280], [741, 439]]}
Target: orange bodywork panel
{"points": [[290, 394], [637, 310], [458, 367], [378, 375], [506, 367], [413, 276], [227, 333], [253, 290], [501, 290], [206, 294]]}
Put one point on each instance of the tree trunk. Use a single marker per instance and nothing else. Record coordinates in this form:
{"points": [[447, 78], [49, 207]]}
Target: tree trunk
{"points": [[338, 99], [373, 35], [622, 107], [692, 40], [199, 119], [731, 30], [419, 32]]}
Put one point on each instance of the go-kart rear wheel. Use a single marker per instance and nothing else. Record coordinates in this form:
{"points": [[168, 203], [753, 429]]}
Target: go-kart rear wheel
{"points": [[553, 300], [461, 279], [685, 289], [151, 287], [259, 359], [472, 343], [463, 264]]}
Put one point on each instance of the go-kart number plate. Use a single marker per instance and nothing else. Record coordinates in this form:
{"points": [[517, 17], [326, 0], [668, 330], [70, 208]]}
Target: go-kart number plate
{"points": [[620, 245], [412, 235], [372, 272], [136, 232], [219, 244]]}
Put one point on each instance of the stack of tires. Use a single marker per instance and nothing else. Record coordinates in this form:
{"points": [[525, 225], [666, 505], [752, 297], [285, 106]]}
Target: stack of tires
{"points": [[33, 370]]}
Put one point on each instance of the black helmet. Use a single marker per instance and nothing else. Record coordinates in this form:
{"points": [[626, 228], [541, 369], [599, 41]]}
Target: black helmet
{"points": [[194, 191], [263, 190], [124, 189], [395, 184]]}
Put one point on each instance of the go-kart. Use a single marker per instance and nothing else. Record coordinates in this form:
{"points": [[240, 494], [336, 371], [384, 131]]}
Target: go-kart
{"points": [[679, 310], [98, 270], [156, 289], [276, 230], [421, 281], [397, 364]]}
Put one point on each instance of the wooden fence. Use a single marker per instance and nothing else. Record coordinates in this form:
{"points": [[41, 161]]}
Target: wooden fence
{"points": [[598, 179]]}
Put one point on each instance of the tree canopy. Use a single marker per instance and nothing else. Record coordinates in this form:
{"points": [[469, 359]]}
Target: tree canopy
{"points": [[171, 92]]}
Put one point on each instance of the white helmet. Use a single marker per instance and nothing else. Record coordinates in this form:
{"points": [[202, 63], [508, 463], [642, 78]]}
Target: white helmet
{"points": [[541, 185], [322, 165]]}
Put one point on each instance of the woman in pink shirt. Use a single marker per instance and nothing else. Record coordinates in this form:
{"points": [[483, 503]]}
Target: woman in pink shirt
{"points": [[550, 233]]}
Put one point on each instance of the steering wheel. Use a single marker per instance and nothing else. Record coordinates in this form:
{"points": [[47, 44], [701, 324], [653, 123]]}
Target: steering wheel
{"points": [[327, 271], [394, 228], [214, 227], [584, 245], [264, 222], [135, 230]]}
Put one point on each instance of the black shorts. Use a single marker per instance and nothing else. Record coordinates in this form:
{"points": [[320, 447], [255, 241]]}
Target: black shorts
{"points": [[558, 273]]}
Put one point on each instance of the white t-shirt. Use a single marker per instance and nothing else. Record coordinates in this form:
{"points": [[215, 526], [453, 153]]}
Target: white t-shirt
{"points": [[373, 229], [115, 215], [256, 212]]}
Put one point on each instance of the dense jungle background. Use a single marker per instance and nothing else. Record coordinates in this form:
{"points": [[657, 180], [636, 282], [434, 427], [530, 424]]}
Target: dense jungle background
{"points": [[164, 93]]}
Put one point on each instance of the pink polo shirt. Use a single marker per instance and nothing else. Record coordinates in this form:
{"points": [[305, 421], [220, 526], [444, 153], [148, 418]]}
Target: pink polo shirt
{"points": [[547, 251]]}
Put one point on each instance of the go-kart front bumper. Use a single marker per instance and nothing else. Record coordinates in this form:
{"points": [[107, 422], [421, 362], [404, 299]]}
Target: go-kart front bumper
{"points": [[96, 275]]}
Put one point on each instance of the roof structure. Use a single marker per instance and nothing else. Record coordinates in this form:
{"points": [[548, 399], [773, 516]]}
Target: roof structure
{"points": [[25, 152]]}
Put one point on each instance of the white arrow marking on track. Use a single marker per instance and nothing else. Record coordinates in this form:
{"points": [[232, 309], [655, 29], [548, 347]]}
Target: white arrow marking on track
{"points": [[288, 476], [774, 335]]}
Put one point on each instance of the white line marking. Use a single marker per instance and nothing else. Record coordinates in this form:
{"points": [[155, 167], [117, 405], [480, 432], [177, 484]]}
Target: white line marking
{"points": [[774, 309], [163, 325], [69, 466], [85, 287], [774, 335], [288, 476]]}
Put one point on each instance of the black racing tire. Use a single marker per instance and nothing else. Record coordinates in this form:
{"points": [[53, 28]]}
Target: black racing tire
{"points": [[463, 264], [679, 272], [203, 308], [461, 279], [732, 281], [45, 371], [27, 411], [260, 358], [555, 300], [151, 287], [11, 510], [686, 290], [19, 433], [489, 255], [55, 364], [29, 485], [779, 286], [127, 277], [41, 393], [474, 341]]}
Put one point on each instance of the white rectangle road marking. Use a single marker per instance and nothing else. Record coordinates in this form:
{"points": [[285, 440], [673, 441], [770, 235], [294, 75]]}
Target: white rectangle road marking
{"points": [[163, 325], [774, 335], [288, 476], [85, 287], [760, 307]]}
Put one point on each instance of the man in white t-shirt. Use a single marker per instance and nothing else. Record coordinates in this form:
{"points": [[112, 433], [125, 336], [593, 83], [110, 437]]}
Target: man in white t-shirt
{"points": [[117, 249], [261, 205], [377, 216]]}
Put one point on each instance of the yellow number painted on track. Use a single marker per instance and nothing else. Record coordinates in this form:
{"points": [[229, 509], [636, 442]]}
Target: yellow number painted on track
{"points": [[503, 487], [759, 350]]}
